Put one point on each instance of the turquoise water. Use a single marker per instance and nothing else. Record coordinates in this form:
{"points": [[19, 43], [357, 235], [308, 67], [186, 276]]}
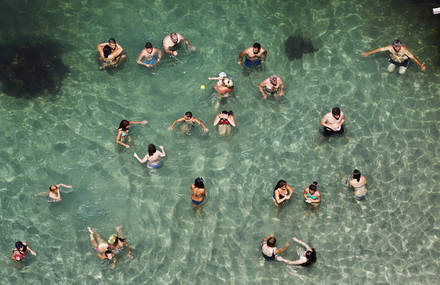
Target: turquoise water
{"points": [[68, 137]]}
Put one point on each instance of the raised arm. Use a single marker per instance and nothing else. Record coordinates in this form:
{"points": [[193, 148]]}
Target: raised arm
{"points": [[64, 185], [30, 249], [367, 53], [302, 243], [141, 160], [193, 48], [139, 122], [411, 56], [277, 251], [117, 52], [100, 48], [205, 129], [217, 119], [231, 120], [174, 123], [266, 238], [163, 151]]}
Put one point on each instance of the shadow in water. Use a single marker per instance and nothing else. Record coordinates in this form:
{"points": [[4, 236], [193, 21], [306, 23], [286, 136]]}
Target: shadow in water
{"points": [[295, 46]]}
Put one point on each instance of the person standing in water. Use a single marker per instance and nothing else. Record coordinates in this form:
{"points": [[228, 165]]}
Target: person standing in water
{"points": [[123, 131], [274, 85], [399, 56], [225, 121], [20, 251], [149, 56], [224, 85], [312, 195], [198, 192], [358, 182], [153, 156], [333, 122], [110, 53], [282, 192], [188, 122], [252, 57], [270, 251], [171, 43]]}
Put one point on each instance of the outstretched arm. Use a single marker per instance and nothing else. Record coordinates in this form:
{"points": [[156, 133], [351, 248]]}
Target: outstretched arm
{"points": [[138, 122], [174, 123], [193, 48], [163, 151], [302, 243], [205, 129], [64, 185], [92, 238], [411, 56], [277, 251], [367, 53], [141, 160], [30, 249]]}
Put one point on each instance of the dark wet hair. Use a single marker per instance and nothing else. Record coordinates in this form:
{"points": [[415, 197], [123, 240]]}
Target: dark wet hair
{"points": [[123, 125], [173, 34], [50, 187], [151, 149], [396, 43], [230, 113], [280, 183], [313, 185], [107, 50], [271, 241], [199, 183], [108, 251], [357, 175], [118, 239], [19, 245], [336, 111], [257, 45], [311, 257], [112, 41], [225, 112], [189, 114], [148, 45]]}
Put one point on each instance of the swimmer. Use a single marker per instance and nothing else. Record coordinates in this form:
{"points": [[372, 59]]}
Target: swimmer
{"points": [[312, 195], [224, 120], [224, 85], [198, 192], [171, 43], [282, 192], [110, 53], [189, 121], [399, 56], [54, 193], [252, 56], [117, 242], [306, 257], [20, 251], [270, 251], [333, 122], [149, 56], [273, 84], [153, 156], [123, 131], [358, 183], [102, 248]]}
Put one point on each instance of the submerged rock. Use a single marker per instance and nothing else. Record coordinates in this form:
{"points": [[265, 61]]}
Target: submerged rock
{"points": [[296, 46], [31, 69]]}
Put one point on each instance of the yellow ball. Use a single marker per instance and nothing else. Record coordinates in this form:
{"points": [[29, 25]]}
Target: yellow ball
{"points": [[202, 87]]}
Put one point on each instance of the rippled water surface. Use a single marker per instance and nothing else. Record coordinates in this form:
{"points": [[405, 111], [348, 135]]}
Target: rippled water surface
{"points": [[67, 136]]}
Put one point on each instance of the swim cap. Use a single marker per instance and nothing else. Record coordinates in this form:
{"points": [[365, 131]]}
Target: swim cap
{"points": [[228, 82], [397, 43], [112, 239], [222, 74]]}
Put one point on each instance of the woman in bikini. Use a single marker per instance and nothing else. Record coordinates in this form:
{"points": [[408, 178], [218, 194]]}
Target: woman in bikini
{"points": [[102, 248], [123, 131], [153, 156], [198, 192], [282, 192], [224, 120], [20, 251], [312, 195]]}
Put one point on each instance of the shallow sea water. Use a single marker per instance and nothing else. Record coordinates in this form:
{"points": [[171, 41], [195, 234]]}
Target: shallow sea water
{"points": [[391, 136]]}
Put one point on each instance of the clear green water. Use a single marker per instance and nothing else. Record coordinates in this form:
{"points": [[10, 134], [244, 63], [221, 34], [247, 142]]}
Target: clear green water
{"points": [[391, 136]]}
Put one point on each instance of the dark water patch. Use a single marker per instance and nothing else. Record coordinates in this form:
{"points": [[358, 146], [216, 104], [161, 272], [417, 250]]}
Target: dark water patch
{"points": [[32, 69], [296, 46]]}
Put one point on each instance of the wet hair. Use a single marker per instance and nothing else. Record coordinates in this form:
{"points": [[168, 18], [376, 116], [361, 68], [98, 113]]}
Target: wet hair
{"points": [[311, 257], [189, 114], [225, 112], [257, 45], [118, 239], [271, 241], [230, 113], [396, 43], [19, 245], [336, 111], [148, 45], [124, 124], [107, 50], [52, 188], [108, 251], [199, 182], [112, 41], [151, 149], [173, 34], [280, 183], [313, 185], [357, 175]]}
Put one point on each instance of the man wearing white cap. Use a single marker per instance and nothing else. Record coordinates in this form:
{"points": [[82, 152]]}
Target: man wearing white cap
{"points": [[399, 56], [272, 84]]}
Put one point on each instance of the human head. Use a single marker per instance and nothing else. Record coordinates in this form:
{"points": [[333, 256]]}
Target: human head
{"points": [[280, 184], [396, 43], [273, 79], [311, 255], [225, 112], [256, 47], [188, 115], [174, 37], [313, 186], [272, 241], [112, 43], [148, 45], [356, 174], [230, 113], [222, 75], [228, 82], [199, 183], [107, 50], [151, 149], [108, 254], [53, 188], [20, 246], [124, 124], [336, 112]]}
